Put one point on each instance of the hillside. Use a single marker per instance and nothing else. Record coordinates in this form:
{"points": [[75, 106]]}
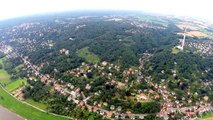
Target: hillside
{"points": [[116, 65]]}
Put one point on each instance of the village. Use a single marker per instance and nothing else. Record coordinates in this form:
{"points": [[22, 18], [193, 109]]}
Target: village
{"points": [[74, 93], [95, 87]]}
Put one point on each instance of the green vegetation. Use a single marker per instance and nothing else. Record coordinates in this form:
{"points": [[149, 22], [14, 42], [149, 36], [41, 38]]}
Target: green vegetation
{"points": [[1, 60], [206, 32], [207, 116], [37, 104], [24, 110], [88, 56], [16, 84], [121, 45], [4, 77], [175, 50], [17, 68], [152, 19]]}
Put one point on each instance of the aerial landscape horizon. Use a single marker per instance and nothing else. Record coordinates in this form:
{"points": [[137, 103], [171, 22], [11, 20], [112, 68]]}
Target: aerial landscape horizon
{"points": [[106, 63]]}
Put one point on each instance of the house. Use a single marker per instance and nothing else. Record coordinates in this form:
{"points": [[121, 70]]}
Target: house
{"points": [[119, 108], [112, 107], [104, 63], [141, 116], [142, 96], [105, 104], [132, 117], [69, 98], [190, 100], [206, 98], [67, 52], [108, 114], [123, 116], [88, 86], [58, 87], [90, 108], [101, 112], [157, 96], [95, 109], [73, 94], [120, 84], [128, 112]]}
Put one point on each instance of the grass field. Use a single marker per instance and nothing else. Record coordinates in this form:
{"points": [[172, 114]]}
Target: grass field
{"points": [[18, 67], [4, 77], [24, 110], [37, 104], [1, 60], [18, 107], [15, 85], [207, 116], [152, 19], [88, 56], [175, 50]]}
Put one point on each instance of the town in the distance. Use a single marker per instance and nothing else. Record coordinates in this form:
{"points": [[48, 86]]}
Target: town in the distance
{"points": [[105, 65]]}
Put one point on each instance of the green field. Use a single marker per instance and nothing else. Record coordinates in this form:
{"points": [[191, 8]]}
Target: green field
{"points": [[18, 107], [4, 77], [24, 110], [15, 85], [88, 56], [18, 67], [160, 21], [175, 50], [207, 116], [37, 104], [1, 60]]}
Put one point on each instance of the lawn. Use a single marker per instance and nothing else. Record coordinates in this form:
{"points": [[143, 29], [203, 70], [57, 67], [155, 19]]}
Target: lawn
{"points": [[15, 85], [88, 56], [18, 67], [175, 50], [207, 116], [1, 61], [37, 104], [24, 110], [4, 77]]}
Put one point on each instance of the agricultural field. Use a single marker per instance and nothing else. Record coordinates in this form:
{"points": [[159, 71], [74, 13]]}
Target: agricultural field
{"points": [[154, 20], [196, 34], [88, 56]]}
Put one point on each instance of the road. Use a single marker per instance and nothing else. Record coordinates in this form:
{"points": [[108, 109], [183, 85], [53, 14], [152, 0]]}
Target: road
{"points": [[5, 114]]}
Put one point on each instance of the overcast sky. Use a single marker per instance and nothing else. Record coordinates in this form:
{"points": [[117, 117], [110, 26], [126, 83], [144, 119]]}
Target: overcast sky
{"points": [[194, 8]]}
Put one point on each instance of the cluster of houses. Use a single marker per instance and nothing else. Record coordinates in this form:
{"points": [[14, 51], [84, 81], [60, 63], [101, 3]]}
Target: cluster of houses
{"points": [[48, 43], [202, 47], [146, 25], [74, 92], [6, 49], [64, 51]]}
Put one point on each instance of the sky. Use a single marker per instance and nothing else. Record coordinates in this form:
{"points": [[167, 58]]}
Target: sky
{"points": [[192, 8]]}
